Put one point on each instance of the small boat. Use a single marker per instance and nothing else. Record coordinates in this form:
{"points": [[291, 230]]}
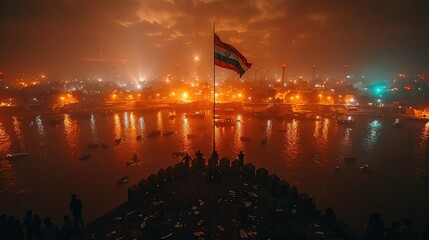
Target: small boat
{"points": [[345, 120], [229, 111], [172, 116], [179, 154], [190, 136], [104, 146], [154, 134], [139, 137], [92, 146], [264, 141], [135, 157], [364, 167], [109, 112], [195, 115], [313, 117], [397, 123], [54, 121], [118, 140], [337, 167], [85, 157], [224, 122], [16, 155], [80, 114], [168, 133], [350, 159], [245, 139], [123, 180]]}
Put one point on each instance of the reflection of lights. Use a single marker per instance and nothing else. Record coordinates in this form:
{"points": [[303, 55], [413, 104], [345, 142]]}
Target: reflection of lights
{"points": [[157, 94], [185, 95], [375, 124], [240, 95]]}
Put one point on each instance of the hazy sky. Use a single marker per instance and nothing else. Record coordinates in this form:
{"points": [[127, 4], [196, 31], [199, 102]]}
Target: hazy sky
{"points": [[149, 37]]}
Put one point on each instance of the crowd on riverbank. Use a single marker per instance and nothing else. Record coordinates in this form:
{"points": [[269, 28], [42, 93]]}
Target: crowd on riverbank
{"points": [[12, 229]]}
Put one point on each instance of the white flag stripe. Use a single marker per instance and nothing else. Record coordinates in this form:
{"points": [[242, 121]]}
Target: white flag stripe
{"points": [[222, 51]]}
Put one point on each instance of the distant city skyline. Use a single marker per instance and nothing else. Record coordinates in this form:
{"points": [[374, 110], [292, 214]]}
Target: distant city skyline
{"points": [[142, 39]]}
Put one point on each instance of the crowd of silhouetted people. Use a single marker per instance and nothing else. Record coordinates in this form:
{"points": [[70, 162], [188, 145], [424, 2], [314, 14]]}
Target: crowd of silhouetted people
{"points": [[376, 230], [32, 228]]}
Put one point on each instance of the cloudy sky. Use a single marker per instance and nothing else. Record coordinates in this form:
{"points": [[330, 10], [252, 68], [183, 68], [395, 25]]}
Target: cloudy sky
{"points": [[143, 38]]}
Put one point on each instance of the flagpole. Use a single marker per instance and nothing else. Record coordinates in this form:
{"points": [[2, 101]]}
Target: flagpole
{"points": [[214, 92], [214, 105]]}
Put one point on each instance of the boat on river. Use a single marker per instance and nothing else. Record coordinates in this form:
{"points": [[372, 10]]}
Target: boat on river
{"points": [[195, 115], [11, 156], [154, 133], [397, 123], [227, 122]]}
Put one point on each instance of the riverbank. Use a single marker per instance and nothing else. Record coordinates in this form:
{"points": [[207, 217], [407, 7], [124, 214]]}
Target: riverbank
{"points": [[181, 203]]}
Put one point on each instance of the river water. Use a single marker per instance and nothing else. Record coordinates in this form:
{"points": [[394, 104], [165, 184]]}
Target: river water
{"points": [[303, 152]]}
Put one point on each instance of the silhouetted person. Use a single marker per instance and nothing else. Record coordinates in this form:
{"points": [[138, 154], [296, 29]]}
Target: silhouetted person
{"points": [[28, 224], [50, 231], [76, 208], [68, 229], [187, 159], [330, 216], [425, 232], [407, 231], [199, 154], [375, 228], [241, 160], [215, 158], [393, 233], [36, 226], [13, 229], [3, 225]]}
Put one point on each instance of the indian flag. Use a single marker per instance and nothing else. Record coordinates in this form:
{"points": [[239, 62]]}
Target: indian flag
{"points": [[227, 56]]}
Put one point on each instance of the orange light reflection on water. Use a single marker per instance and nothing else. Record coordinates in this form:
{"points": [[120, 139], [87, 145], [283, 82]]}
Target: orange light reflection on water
{"points": [[291, 141], [238, 144], [17, 129], [159, 123], [117, 126], [71, 129], [186, 131], [5, 142]]}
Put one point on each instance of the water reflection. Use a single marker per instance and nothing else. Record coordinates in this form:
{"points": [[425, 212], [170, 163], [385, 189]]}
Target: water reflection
{"points": [[117, 126], [159, 124], [70, 128], [126, 122], [133, 125], [5, 142], [374, 129], [93, 127], [238, 144], [17, 130], [291, 141], [41, 130], [142, 125], [186, 140]]}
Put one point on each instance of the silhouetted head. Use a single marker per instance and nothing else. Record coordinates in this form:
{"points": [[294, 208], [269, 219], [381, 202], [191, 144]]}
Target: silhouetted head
{"points": [[73, 196], [10, 219], [241, 152], [47, 220], [407, 221], [29, 213]]}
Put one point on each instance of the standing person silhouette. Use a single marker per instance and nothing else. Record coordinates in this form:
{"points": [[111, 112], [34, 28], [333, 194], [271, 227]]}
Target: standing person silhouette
{"points": [[241, 160], [76, 208], [187, 159]]}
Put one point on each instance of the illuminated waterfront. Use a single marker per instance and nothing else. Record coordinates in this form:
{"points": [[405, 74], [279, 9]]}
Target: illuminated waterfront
{"points": [[305, 152]]}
